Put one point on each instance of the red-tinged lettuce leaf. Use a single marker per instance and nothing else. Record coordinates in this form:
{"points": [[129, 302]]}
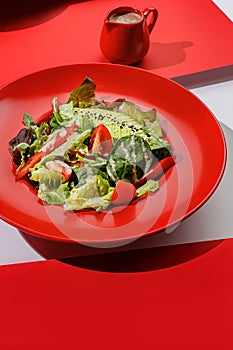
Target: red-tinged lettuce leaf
{"points": [[23, 136], [84, 95]]}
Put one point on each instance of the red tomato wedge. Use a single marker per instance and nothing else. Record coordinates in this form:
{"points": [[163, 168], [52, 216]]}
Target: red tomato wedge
{"points": [[83, 155], [59, 139], [36, 158], [59, 167], [101, 140], [156, 171], [50, 146], [123, 193]]}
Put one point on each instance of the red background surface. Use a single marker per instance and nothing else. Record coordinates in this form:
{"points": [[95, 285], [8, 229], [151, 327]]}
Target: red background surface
{"points": [[168, 298], [189, 36]]}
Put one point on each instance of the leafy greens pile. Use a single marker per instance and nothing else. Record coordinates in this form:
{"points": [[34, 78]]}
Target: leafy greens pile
{"points": [[87, 147]]}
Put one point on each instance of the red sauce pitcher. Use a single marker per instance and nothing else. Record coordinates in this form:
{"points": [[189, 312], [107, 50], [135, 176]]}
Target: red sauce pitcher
{"points": [[125, 36]]}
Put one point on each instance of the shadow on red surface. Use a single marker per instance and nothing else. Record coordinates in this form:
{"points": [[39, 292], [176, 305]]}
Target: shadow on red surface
{"points": [[15, 15], [113, 260], [143, 260], [165, 54]]}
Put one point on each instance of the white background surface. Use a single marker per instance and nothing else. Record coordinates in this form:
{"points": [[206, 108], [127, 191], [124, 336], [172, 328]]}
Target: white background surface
{"points": [[226, 6], [213, 221]]}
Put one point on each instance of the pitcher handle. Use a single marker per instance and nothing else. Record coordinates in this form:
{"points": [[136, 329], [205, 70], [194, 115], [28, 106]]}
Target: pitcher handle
{"points": [[154, 15]]}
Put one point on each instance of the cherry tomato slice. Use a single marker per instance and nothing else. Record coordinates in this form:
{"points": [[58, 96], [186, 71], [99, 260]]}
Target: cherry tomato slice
{"points": [[156, 171], [123, 193], [36, 158], [101, 140], [46, 149], [59, 167]]}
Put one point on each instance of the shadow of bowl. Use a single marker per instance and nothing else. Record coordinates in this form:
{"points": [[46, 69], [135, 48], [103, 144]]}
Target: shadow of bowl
{"points": [[114, 260]]}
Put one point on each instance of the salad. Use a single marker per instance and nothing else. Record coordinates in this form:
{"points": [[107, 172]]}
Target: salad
{"points": [[90, 154]]}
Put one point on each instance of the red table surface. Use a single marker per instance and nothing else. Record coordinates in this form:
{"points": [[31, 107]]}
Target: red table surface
{"points": [[168, 298], [189, 37]]}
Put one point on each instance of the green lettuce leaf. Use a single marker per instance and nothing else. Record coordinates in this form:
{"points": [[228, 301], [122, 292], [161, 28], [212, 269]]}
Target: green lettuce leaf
{"points": [[40, 133], [84, 95], [41, 130], [129, 159], [20, 153], [63, 116], [51, 187], [149, 186], [96, 194]]}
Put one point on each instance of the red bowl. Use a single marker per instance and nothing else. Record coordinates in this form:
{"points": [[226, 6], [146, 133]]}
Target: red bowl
{"points": [[191, 128]]}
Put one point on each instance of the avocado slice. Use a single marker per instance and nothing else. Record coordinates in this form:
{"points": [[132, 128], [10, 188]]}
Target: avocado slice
{"points": [[119, 125]]}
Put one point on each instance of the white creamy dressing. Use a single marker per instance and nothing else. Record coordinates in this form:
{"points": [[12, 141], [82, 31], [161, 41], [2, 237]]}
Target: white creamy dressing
{"points": [[129, 17], [48, 145], [51, 142], [42, 187], [110, 173], [124, 149], [132, 144], [60, 150], [146, 156]]}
